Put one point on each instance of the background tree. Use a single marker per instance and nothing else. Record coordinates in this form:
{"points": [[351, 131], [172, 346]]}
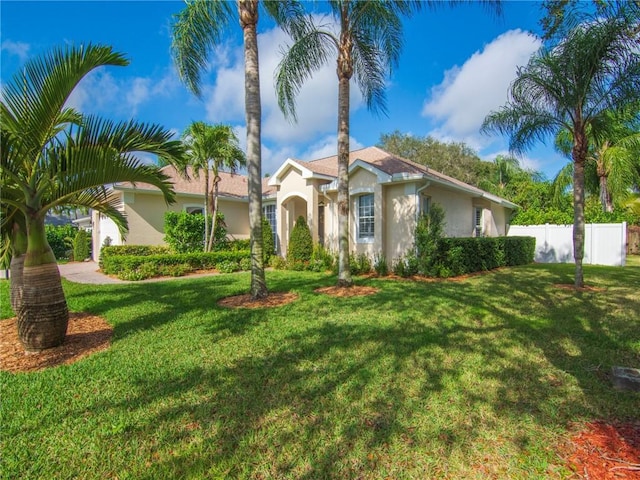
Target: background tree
{"points": [[198, 29], [212, 148], [366, 45], [593, 70], [52, 156]]}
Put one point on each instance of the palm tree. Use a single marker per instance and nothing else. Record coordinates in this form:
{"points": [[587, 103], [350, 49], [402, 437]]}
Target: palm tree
{"points": [[54, 156], [595, 69], [611, 163], [212, 148], [367, 45], [197, 30]]}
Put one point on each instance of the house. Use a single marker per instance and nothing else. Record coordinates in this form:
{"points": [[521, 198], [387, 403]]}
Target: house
{"points": [[387, 196]]}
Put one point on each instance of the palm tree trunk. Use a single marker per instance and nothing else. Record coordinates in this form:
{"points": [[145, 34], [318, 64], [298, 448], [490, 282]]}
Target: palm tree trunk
{"points": [[18, 249], [43, 316], [206, 210], [214, 213], [579, 154], [344, 271], [605, 194], [248, 10]]}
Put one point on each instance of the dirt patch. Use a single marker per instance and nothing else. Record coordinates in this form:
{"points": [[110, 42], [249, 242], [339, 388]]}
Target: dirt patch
{"points": [[571, 286], [86, 334], [606, 450], [353, 291], [275, 299]]}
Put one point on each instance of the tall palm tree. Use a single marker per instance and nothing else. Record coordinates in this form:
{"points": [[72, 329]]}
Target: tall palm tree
{"points": [[367, 45], [197, 30], [212, 148], [595, 69], [53, 156]]}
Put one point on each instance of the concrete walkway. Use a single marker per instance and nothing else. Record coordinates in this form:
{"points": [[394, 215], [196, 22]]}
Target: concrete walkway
{"points": [[88, 272], [85, 272]]}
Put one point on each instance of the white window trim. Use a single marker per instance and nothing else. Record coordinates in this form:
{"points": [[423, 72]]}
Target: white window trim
{"points": [[475, 222], [371, 239], [187, 206]]}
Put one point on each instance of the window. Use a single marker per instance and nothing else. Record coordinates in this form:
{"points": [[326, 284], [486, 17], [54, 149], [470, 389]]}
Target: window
{"points": [[269, 212], [366, 224], [194, 210], [425, 205], [478, 222]]}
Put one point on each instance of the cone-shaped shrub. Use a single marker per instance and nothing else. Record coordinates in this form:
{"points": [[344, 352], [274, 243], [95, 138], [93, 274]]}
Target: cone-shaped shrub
{"points": [[300, 242]]}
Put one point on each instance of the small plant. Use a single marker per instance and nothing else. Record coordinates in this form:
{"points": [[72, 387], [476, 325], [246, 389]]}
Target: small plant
{"points": [[359, 264], [268, 244], [177, 270], [380, 265], [245, 264], [300, 242], [278, 262], [322, 260], [228, 266]]}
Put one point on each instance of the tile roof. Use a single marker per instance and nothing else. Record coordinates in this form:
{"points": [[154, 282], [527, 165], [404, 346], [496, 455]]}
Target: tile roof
{"points": [[231, 185]]}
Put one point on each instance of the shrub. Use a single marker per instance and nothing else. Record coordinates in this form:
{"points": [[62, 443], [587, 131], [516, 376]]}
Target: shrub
{"points": [[245, 264], [56, 236], [278, 262], [380, 265], [322, 260], [359, 264], [184, 232], [406, 266], [228, 266], [177, 270], [429, 232], [268, 245], [300, 243], [81, 245]]}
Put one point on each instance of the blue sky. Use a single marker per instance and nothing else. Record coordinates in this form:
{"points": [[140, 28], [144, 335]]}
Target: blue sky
{"points": [[456, 66]]}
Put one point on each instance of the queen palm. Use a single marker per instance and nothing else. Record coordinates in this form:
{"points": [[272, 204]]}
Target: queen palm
{"points": [[594, 69], [367, 44], [53, 156], [197, 30], [212, 148]]}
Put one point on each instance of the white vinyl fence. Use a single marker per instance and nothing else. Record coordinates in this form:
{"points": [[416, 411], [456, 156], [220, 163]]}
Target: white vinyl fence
{"points": [[604, 243]]}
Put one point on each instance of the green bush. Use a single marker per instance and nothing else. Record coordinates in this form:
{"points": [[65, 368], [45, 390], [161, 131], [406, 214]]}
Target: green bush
{"points": [[81, 246], [125, 264], [245, 264], [278, 262], [322, 260], [130, 250], [228, 266], [359, 264], [177, 270], [184, 232], [238, 245], [58, 236], [429, 232], [268, 245], [300, 242], [380, 265]]}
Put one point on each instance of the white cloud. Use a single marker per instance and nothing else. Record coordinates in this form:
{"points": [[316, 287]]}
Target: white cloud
{"points": [[316, 105], [526, 162], [328, 147], [19, 49], [468, 93]]}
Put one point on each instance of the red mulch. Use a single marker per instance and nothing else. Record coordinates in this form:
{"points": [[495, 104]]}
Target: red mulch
{"points": [[352, 291], [86, 334], [606, 451], [274, 299]]}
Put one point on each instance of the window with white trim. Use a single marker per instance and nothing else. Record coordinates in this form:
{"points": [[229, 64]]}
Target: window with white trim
{"points": [[478, 223], [425, 204], [194, 210], [269, 212], [366, 222]]}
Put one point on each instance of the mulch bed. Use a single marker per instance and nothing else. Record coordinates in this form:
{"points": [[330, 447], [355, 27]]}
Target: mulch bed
{"points": [[352, 291], [86, 334], [274, 299], [606, 451]]}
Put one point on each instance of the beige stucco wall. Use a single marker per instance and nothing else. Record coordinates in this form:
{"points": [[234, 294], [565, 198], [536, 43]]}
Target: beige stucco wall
{"points": [[400, 219], [458, 208], [145, 213]]}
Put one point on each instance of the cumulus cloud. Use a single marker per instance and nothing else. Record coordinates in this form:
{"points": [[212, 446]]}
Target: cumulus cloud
{"points": [[317, 103], [101, 92], [19, 49], [469, 92], [327, 147]]}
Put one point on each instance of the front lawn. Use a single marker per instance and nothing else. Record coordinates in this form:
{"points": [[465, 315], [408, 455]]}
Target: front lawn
{"points": [[480, 378]]}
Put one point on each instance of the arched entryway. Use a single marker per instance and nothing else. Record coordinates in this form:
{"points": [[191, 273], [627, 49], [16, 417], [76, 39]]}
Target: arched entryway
{"points": [[291, 208]]}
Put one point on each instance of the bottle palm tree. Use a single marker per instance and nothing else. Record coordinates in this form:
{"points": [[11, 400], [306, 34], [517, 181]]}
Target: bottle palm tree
{"points": [[52, 156], [197, 30], [212, 148], [594, 69], [367, 45]]}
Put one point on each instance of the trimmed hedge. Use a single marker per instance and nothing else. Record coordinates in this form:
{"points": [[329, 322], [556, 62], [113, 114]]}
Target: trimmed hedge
{"points": [[126, 265], [458, 256], [130, 250]]}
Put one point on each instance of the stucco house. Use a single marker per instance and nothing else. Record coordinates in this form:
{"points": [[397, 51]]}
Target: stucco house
{"points": [[387, 195]]}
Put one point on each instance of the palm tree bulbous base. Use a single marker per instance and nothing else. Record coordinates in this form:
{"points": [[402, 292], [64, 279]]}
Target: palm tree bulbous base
{"points": [[43, 316], [342, 283]]}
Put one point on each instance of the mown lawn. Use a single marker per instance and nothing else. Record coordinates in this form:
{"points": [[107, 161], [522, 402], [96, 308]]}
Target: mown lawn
{"points": [[481, 378]]}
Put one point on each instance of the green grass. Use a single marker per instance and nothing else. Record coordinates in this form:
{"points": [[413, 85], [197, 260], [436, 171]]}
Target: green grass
{"points": [[479, 378]]}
